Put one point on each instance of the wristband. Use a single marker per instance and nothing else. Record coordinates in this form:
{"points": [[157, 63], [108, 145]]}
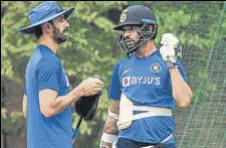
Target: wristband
{"points": [[109, 138]]}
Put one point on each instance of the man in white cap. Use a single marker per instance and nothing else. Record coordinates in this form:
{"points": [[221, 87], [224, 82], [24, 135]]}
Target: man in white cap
{"points": [[47, 100]]}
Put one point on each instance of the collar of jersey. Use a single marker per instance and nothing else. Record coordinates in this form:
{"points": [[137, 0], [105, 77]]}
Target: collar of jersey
{"points": [[47, 48], [154, 53]]}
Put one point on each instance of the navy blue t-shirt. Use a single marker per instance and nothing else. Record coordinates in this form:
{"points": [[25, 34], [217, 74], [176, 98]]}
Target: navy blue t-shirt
{"points": [[44, 71], [147, 82]]}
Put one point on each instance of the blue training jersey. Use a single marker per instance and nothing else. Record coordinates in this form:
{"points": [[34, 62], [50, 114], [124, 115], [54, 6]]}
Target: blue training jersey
{"points": [[147, 82], [44, 71]]}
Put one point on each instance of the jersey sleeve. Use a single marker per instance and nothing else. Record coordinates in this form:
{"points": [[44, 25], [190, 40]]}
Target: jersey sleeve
{"points": [[182, 72], [48, 75], [115, 88]]}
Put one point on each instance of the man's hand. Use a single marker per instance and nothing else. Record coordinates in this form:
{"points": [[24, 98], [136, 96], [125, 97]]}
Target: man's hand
{"points": [[90, 86], [170, 47]]}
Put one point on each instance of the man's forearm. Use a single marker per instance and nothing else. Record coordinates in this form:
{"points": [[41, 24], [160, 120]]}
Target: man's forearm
{"points": [[110, 128], [60, 103], [181, 91], [110, 133]]}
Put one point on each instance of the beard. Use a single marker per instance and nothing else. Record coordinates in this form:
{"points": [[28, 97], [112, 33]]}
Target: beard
{"points": [[132, 44], [58, 36]]}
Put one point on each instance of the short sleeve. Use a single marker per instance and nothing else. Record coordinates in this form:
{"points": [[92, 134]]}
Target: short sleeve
{"points": [[48, 75], [182, 72], [115, 90]]}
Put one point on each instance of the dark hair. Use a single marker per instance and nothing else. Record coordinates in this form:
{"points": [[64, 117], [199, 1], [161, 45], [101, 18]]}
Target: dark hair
{"points": [[38, 30]]}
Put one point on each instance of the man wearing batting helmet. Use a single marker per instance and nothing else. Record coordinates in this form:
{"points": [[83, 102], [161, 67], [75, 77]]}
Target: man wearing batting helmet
{"points": [[145, 86], [47, 100]]}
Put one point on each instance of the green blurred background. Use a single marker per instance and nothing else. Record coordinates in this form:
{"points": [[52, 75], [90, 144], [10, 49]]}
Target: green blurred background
{"points": [[91, 49]]}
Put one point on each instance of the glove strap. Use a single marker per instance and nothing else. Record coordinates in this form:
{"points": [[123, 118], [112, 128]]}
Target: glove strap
{"points": [[171, 65]]}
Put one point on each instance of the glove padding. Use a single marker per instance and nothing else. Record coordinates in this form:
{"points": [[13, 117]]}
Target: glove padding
{"points": [[86, 106], [170, 48]]}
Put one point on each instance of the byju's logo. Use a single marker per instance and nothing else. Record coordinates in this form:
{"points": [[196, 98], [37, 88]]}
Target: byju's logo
{"points": [[126, 81], [142, 80]]}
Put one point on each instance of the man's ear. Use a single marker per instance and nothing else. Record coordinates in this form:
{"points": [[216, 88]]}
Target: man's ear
{"points": [[47, 27]]}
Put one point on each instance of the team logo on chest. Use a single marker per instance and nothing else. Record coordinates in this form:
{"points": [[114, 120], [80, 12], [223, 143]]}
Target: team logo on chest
{"points": [[155, 68]]}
